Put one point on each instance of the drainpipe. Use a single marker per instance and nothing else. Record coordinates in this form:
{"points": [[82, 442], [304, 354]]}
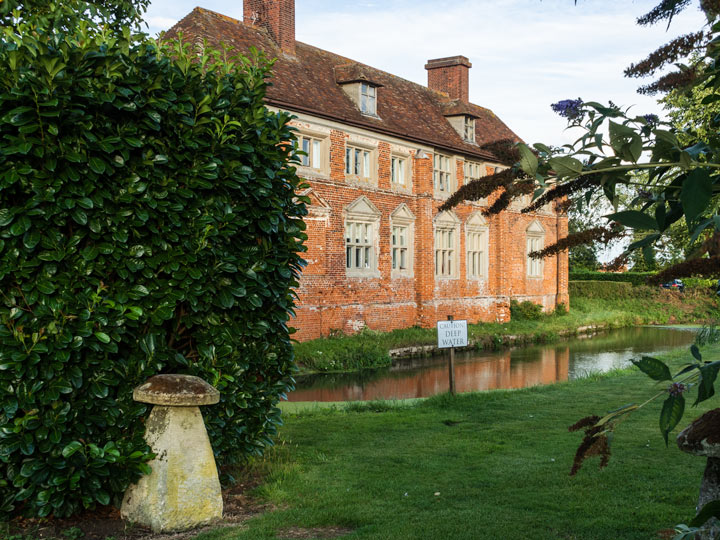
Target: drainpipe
{"points": [[557, 259]]}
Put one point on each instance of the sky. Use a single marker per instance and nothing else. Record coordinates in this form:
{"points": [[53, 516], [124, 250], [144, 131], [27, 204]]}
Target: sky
{"points": [[526, 54]]}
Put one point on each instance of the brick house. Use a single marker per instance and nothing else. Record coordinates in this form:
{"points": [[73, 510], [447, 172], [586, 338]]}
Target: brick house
{"points": [[382, 155]]}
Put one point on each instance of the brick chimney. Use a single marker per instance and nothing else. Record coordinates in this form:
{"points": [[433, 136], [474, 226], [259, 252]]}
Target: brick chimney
{"points": [[278, 16], [450, 75]]}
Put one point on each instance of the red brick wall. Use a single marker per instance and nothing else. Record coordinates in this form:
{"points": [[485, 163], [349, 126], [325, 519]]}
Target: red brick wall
{"points": [[329, 300]]}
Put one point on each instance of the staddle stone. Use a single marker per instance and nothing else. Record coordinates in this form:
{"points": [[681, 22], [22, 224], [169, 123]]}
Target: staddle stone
{"points": [[176, 391], [183, 489]]}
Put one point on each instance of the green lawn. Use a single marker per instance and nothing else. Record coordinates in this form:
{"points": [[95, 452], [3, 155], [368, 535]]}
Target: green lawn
{"points": [[484, 465]]}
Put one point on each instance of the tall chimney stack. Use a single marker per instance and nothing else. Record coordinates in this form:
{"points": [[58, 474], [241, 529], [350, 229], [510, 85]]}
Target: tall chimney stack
{"points": [[450, 75], [278, 16]]}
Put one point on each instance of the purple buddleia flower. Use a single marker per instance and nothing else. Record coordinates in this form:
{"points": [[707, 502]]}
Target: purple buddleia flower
{"points": [[652, 119], [569, 108], [676, 389]]}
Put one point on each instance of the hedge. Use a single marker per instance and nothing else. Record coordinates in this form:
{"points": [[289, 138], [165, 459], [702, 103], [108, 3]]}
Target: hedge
{"points": [[149, 224], [636, 278], [607, 290]]}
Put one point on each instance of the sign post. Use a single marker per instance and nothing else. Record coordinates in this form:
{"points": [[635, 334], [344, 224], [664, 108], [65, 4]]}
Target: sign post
{"points": [[451, 334]]}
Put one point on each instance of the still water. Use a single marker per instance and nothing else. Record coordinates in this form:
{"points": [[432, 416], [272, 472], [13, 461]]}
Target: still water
{"points": [[514, 368]]}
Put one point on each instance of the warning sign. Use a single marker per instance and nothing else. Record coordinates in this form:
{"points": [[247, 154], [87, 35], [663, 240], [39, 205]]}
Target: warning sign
{"points": [[452, 334]]}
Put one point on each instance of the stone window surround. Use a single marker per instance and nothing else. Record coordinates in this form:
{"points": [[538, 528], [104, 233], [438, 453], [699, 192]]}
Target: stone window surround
{"points": [[372, 179], [450, 171], [468, 176], [324, 159], [363, 211], [476, 232], [403, 217], [406, 185], [446, 222], [535, 241]]}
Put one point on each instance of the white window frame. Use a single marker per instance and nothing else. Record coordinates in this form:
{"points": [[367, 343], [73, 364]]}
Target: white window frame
{"points": [[474, 170], [403, 220], [361, 250], [446, 245], [400, 171], [476, 247], [368, 99], [317, 159], [469, 129], [534, 241], [363, 170], [443, 174]]}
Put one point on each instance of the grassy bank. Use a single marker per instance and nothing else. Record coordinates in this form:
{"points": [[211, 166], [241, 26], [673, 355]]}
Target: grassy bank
{"points": [[643, 305], [485, 465]]}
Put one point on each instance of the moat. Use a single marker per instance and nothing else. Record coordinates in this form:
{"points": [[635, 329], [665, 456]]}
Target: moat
{"points": [[487, 370]]}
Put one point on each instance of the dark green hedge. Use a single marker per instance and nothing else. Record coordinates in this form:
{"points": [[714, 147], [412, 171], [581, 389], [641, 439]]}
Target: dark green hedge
{"points": [[636, 278], [148, 224], [607, 290]]}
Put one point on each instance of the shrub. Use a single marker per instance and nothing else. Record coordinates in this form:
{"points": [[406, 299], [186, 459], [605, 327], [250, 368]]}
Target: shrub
{"points": [[606, 290], [148, 224], [525, 310]]}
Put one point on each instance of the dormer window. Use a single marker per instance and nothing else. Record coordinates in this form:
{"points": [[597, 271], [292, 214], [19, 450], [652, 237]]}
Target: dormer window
{"points": [[469, 129], [360, 83], [368, 99]]}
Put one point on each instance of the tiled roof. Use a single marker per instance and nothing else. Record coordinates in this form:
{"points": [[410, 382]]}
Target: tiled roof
{"points": [[308, 83]]}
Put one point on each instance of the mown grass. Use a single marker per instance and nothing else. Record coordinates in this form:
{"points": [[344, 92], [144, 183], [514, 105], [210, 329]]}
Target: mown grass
{"points": [[645, 306], [483, 465]]}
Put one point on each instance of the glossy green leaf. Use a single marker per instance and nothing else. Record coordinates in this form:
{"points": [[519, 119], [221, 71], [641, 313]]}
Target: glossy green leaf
{"points": [[634, 219], [528, 160], [71, 449], [653, 368], [566, 166], [710, 510], [706, 384], [696, 193], [671, 414]]}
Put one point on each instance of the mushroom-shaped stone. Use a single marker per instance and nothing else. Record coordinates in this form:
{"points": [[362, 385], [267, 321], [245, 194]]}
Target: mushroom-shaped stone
{"points": [[183, 489], [176, 391], [702, 438]]}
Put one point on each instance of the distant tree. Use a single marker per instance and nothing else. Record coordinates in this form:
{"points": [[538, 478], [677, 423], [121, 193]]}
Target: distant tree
{"points": [[582, 256]]}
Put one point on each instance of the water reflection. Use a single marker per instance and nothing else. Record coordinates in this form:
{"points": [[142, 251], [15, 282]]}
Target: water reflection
{"points": [[515, 368]]}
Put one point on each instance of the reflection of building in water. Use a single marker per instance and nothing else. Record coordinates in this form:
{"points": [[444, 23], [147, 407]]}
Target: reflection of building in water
{"points": [[544, 366]]}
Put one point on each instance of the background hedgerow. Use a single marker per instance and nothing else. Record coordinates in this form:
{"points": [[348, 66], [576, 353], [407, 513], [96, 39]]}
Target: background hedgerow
{"points": [[148, 224]]}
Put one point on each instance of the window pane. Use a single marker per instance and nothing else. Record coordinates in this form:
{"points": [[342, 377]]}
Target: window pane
{"points": [[366, 164], [348, 257], [357, 162], [367, 257], [316, 154], [348, 156], [306, 149]]}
